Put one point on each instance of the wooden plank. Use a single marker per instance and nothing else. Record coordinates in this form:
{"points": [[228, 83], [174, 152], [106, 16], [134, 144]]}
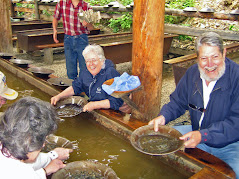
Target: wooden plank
{"points": [[210, 173], [181, 59], [230, 48], [176, 29], [50, 45]]}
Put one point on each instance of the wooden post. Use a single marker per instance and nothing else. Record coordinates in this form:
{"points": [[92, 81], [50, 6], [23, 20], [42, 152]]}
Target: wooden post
{"points": [[5, 26], [37, 10], [147, 57], [12, 5]]}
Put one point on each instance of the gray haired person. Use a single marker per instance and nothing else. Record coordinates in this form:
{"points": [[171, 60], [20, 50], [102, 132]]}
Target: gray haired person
{"points": [[23, 130], [210, 92], [90, 81]]}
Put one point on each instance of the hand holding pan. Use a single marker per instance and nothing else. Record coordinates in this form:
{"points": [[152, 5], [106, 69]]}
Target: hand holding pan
{"points": [[164, 141], [71, 106]]}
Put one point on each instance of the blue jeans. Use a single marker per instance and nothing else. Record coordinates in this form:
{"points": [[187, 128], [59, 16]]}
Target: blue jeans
{"points": [[229, 153], [74, 45]]}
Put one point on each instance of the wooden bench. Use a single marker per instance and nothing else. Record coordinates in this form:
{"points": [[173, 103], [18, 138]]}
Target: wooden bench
{"points": [[48, 51], [117, 47]]}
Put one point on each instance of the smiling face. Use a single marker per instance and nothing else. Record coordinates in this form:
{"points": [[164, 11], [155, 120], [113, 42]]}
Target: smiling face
{"points": [[211, 62], [93, 63]]}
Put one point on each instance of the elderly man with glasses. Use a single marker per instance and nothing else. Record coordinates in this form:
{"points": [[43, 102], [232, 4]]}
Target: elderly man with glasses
{"points": [[210, 91], [99, 69]]}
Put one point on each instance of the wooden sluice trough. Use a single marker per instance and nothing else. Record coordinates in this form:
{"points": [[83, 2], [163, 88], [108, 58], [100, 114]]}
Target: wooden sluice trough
{"points": [[193, 163], [29, 25], [117, 47]]}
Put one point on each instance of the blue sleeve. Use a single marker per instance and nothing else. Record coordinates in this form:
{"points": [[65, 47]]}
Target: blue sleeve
{"points": [[178, 101], [77, 86]]}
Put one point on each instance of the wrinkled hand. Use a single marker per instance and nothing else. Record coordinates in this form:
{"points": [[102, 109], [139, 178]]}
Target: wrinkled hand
{"points": [[54, 166], [192, 139], [63, 153], [55, 99], [160, 120], [89, 107]]}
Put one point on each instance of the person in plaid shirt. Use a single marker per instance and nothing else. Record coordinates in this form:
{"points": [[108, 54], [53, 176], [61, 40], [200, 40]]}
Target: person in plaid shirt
{"points": [[76, 33]]}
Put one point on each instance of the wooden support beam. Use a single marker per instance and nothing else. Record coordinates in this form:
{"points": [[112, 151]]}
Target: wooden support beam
{"points": [[5, 26], [147, 55]]}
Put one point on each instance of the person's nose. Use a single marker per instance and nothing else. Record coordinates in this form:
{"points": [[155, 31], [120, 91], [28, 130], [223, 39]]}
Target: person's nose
{"points": [[210, 62]]}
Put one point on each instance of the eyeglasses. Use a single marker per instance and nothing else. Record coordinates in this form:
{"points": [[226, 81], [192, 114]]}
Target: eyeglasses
{"points": [[196, 108], [94, 61]]}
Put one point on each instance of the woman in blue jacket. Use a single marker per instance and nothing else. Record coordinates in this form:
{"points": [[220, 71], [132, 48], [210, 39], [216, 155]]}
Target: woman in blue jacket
{"points": [[99, 69]]}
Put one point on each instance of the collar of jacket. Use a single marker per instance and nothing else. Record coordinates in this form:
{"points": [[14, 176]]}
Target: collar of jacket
{"points": [[223, 83]]}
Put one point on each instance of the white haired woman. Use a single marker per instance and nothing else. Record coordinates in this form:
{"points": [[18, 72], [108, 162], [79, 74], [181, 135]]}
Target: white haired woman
{"points": [[99, 69]]}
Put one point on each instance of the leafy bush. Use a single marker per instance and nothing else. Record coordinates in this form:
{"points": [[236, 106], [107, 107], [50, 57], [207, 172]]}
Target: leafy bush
{"points": [[122, 23], [184, 38], [104, 2], [177, 4]]}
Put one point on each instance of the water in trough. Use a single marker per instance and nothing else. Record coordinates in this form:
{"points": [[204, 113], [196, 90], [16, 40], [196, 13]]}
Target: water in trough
{"points": [[98, 143]]}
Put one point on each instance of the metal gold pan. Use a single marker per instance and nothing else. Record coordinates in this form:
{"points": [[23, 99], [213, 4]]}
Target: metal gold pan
{"points": [[80, 169], [163, 142]]}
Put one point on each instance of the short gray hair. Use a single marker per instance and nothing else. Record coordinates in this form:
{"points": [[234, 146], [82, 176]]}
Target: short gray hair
{"points": [[25, 125], [97, 49], [211, 39]]}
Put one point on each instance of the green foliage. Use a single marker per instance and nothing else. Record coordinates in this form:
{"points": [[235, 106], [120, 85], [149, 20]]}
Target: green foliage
{"points": [[184, 38], [125, 2], [179, 4], [20, 14], [233, 27], [122, 23], [104, 2], [98, 2], [26, 5], [48, 14]]}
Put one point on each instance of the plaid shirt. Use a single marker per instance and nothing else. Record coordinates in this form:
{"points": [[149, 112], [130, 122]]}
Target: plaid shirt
{"points": [[71, 21]]}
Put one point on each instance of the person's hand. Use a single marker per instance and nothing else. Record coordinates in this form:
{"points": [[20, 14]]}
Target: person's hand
{"points": [[55, 36], [84, 23], [89, 107], [54, 166], [160, 120], [55, 99], [63, 153], [192, 139]]}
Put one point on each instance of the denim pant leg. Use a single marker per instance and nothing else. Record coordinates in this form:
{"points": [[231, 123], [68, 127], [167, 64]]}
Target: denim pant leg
{"points": [[80, 43], [71, 57], [229, 153], [183, 129]]}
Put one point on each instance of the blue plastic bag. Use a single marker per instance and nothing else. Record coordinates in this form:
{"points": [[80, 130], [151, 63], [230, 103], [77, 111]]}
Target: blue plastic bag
{"points": [[125, 82]]}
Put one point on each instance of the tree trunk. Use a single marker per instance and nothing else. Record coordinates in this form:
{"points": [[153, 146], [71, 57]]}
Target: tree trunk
{"points": [[5, 26], [147, 57]]}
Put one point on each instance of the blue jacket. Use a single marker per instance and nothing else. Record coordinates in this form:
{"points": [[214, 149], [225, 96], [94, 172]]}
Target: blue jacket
{"points": [[220, 125], [92, 85]]}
